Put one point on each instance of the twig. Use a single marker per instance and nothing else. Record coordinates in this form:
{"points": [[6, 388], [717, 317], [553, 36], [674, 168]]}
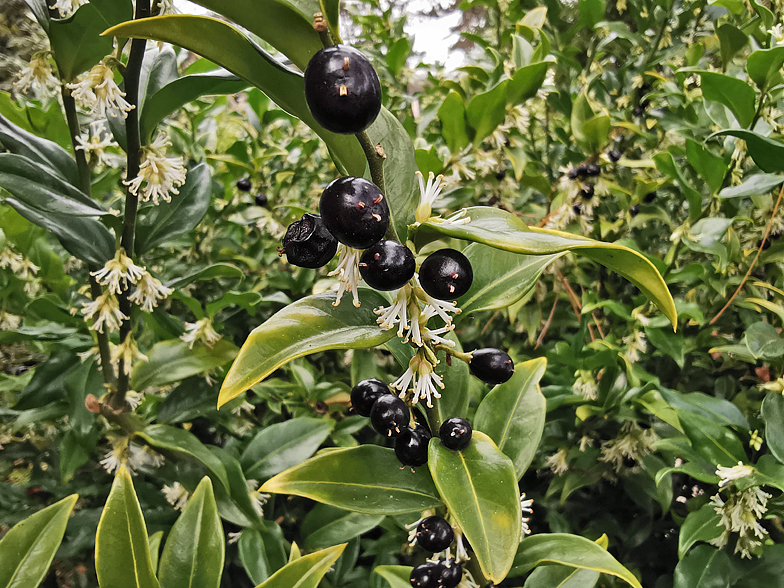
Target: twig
{"points": [[546, 325], [487, 326]]}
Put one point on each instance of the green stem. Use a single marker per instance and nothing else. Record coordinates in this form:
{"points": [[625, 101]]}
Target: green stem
{"points": [[655, 45], [375, 157]]}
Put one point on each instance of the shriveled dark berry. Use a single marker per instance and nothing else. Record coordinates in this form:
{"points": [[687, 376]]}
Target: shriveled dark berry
{"points": [[308, 243], [577, 208], [243, 184], [492, 366], [446, 274], [411, 446], [261, 199], [426, 575], [614, 155], [365, 394], [649, 197], [355, 211], [634, 210], [587, 192], [434, 534], [592, 170], [389, 415], [451, 573], [342, 90], [387, 265], [455, 434]]}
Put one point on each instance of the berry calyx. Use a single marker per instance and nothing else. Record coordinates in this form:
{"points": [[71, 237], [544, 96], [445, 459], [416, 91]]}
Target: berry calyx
{"points": [[342, 90], [435, 534], [451, 573], [389, 415], [411, 446], [355, 211], [387, 265], [492, 366], [308, 243], [426, 575], [243, 185], [446, 274], [365, 394], [455, 434], [261, 199]]}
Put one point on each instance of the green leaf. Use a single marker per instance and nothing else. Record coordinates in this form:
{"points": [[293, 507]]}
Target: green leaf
{"points": [[704, 567], [503, 230], [72, 456], [168, 220], [241, 56], [756, 185], [701, 525], [479, 488], [773, 414], [717, 444], [76, 41], [764, 65], [665, 163], [216, 270], [513, 414], [592, 12], [396, 576], [172, 360], [325, 526], [452, 114], [195, 550], [253, 556], [582, 111], [763, 341], [733, 93], [501, 278], [305, 571], [486, 111], [155, 549], [122, 551], [525, 82], [181, 441], [711, 168], [597, 132], [669, 343], [307, 326], [365, 479], [27, 550], [766, 153], [731, 40], [42, 151], [283, 445], [236, 505], [561, 577], [568, 550], [397, 55]]}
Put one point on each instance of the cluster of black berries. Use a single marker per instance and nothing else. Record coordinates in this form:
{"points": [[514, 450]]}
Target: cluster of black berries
{"points": [[435, 534], [244, 185], [582, 172]]}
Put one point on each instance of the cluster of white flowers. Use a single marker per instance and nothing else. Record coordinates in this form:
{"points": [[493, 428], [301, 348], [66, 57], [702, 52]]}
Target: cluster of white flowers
{"points": [[95, 148], [160, 175], [200, 331], [636, 343], [557, 462], [176, 495], [67, 7], [130, 455], [128, 352], [38, 76], [348, 272], [98, 92], [104, 311], [21, 266], [632, 443], [740, 513], [585, 385], [525, 506], [257, 498]]}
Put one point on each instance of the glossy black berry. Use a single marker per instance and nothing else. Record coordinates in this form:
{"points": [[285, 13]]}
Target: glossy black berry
{"points": [[492, 366], [389, 415], [634, 210], [365, 394], [572, 174], [649, 197], [455, 434], [446, 274], [308, 243], [261, 199], [434, 534], [577, 209], [451, 573], [342, 90], [614, 155], [355, 211], [592, 170], [243, 185], [411, 446], [387, 265], [426, 575], [582, 170], [587, 192]]}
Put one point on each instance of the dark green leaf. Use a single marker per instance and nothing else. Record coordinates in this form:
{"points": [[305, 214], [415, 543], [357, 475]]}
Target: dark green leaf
{"points": [[766, 153], [76, 41], [701, 525], [703, 567], [253, 556], [716, 444], [396, 576], [711, 168], [731, 40], [452, 114], [554, 576], [764, 64], [733, 93], [325, 526], [172, 360], [486, 111], [773, 414], [216, 270]]}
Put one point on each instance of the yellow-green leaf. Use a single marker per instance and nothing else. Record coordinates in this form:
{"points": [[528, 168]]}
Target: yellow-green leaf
{"points": [[305, 571]]}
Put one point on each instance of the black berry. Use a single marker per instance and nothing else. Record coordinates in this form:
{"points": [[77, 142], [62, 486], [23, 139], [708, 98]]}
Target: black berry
{"points": [[587, 192], [243, 185], [426, 575], [435, 534], [582, 170], [649, 197], [614, 155], [365, 394], [451, 573], [355, 211], [572, 174], [387, 265], [455, 434], [592, 170], [492, 366], [634, 210], [764, 245], [577, 209], [308, 243], [342, 90], [629, 462], [261, 199], [411, 446], [389, 415], [446, 274]]}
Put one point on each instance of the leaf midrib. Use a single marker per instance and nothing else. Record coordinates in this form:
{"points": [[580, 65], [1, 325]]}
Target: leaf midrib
{"points": [[509, 420]]}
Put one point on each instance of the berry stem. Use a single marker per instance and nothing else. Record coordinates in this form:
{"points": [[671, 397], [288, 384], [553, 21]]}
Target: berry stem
{"points": [[461, 355], [375, 157]]}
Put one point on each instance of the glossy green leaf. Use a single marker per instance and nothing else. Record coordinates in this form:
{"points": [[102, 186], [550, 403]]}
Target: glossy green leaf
{"points": [[591, 12], [241, 56], [452, 114], [756, 185], [194, 551], [502, 230], [72, 456], [398, 55], [479, 488], [171, 219], [307, 326], [766, 153], [155, 549], [253, 556], [184, 442], [703, 567], [716, 444], [396, 576], [711, 168], [525, 82], [365, 479], [456, 379], [172, 360], [42, 151], [76, 41], [122, 552], [568, 550], [701, 525], [236, 504], [306, 571], [282, 445], [486, 111], [27, 550], [764, 64], [326, 525], [501, 278], [731, 40], [216, 270], [561, 577], [665, 163], [773, 414], [733, 93], [513, 414]]}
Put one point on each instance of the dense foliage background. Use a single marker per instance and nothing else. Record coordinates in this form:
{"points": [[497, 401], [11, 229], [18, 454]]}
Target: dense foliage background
{"points": [[679, 105]]}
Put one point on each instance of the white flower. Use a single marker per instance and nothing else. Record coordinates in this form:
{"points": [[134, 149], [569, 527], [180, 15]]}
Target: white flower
{"points": [[585, 442], [8, 321], [435, 335], [167, 7], [408, 378], [139, 457], [201, 331], [348, 270], [117, 270], [37, 75], [67, 7], [162, 175], [104, 311], [96, 147], [729, 475], [585, 385], [525, 506], [257, 498], [245, 407], [10, 258], [148, 292], [128, 352], [632, 443], [434, 306], [428, 195], [636, 344], [234, 537], [396, 313], [426, 383], [557, 461], [176, 495], [777, 32], [118, 456], [740, 513], [26, 269], [100, 93]]}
